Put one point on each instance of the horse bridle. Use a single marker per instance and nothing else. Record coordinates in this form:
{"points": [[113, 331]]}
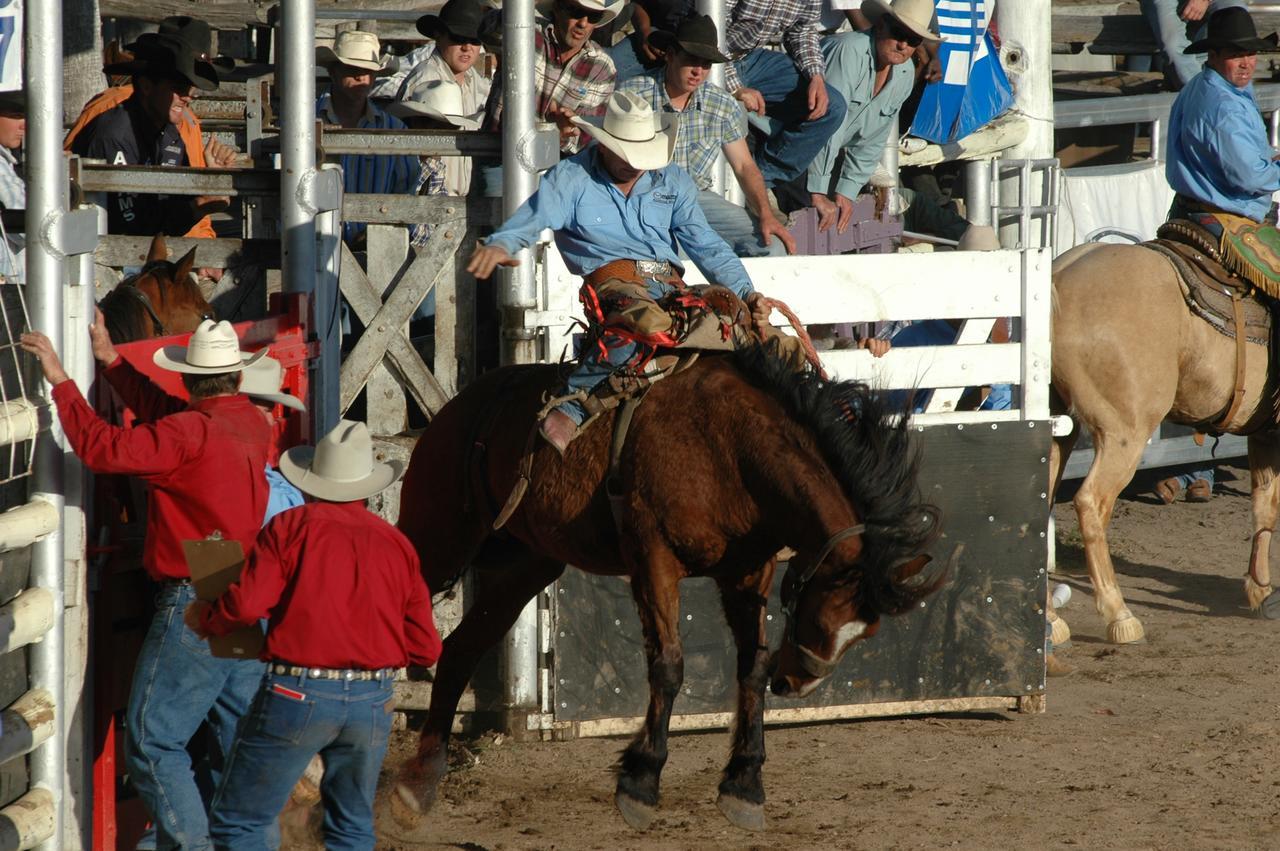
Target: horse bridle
{"points": [[793, 585], [145, 300]]}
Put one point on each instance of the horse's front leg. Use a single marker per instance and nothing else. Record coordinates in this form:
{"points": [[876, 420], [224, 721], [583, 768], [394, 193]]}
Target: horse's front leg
{"points": [[742, 787], [657, 594], [1264, 475]]}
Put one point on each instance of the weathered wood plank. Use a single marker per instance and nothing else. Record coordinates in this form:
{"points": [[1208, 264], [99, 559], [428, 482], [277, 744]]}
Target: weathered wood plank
{"points": [[116, 250], [235, 14], [1124, 33]]}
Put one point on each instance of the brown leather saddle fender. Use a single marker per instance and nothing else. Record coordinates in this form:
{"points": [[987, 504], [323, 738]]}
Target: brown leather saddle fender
{"points": [[1193, 252]]}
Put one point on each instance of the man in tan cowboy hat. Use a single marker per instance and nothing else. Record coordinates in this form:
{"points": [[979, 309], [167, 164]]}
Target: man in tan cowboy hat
{"points": [[348, 607], [204, 472], [352, 62], [621, 211], [873, 70], [144, 129], [711, 123]]}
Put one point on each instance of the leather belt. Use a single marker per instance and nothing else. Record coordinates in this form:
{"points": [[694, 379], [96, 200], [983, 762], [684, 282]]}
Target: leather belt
{"points": [[635, 271], [332, 673]]}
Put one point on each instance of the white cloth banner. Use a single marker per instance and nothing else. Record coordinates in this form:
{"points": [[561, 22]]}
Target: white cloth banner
{"points": [[1112, 203], [10, 45]]}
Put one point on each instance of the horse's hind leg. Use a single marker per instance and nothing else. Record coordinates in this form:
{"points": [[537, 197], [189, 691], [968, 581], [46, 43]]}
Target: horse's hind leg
{"points": [[1059, 452], [1264, 459], [499, 597], [742, 787], [657, 595], [1117, 453]]}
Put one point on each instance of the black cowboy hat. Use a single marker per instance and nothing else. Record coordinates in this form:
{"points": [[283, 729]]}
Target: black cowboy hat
{"points": [[14, 102], [194, 32], [459, 19], [696, 36], [168, 56], [1233, 27]]}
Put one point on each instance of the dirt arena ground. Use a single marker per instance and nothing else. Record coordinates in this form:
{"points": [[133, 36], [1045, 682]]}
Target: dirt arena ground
{"points": [[1170, 744]]}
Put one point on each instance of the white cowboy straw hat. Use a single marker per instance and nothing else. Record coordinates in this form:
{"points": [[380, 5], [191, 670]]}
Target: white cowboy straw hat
{"points": [[914, 15], [611, 10], [341, 467], [213, 348], [439, 99], [356, 48], [632, 130], [263, 380]]}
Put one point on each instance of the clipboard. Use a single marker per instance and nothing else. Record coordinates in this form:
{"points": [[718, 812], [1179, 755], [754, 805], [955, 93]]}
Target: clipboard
{"points": [[214, 565]]}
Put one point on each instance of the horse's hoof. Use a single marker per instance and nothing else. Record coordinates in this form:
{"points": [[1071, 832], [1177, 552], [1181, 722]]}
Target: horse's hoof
{"points": [[740, 813], [1256, 593], [635, 813], [1127, 630], [404, 817], [1060, 634]]}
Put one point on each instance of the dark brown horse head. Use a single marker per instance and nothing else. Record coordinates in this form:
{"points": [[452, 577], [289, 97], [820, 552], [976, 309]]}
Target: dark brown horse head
{"points": [[831, 609], [160, 300]]}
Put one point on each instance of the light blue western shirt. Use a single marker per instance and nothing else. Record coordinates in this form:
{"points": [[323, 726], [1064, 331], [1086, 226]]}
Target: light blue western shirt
{"points": [[854, 150], [1218, 151], [594, 223], [281, 495]]}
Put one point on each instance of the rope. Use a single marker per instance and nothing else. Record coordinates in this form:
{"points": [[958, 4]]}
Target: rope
{"points": [[809, 351]]}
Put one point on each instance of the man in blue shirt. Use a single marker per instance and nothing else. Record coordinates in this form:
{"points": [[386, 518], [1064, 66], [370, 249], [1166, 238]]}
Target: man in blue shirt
{"points": [[1219, 157], [621, 212]]}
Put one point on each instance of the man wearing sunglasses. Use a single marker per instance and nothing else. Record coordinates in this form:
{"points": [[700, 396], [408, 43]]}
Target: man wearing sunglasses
{"points": [[873, 72], [573, 75], [787, 91]]}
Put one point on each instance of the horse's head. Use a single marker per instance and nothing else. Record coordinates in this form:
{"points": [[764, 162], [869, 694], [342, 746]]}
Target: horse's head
{"points": [[835, 600], [160, 300]]}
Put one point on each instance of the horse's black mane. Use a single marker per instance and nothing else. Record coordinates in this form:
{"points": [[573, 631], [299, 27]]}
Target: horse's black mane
{"points": [[873, 457]]}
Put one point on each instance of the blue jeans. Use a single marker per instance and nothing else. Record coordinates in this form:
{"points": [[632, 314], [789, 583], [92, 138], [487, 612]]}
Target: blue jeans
{"points": [[626, 59], [178, 684], [938, 332], [592, 369], [293, 719], [736, 227], [795, 141], [1172, 35]]}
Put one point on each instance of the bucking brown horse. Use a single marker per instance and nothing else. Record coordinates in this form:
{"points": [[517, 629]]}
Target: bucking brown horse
{"points": [[1128, 353], [724, 465], [160, 300]]}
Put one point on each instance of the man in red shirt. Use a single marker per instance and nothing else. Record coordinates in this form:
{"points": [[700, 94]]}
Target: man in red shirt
{"points": [[348, 606], [204, 468]]}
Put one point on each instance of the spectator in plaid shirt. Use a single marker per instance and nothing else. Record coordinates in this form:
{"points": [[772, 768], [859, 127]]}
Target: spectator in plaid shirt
{"points": [[789, 90], [574, 75], [710, 121]]}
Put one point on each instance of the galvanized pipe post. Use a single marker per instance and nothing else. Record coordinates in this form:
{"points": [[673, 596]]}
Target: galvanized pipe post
{"points": [[723, 181], [977, 190], [517, 295], [298, 178], [46, 276], [1026, 29]]}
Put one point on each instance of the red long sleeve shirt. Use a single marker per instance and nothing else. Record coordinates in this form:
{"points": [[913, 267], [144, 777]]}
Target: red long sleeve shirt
{"points": [[205, 465], [343, 589]]}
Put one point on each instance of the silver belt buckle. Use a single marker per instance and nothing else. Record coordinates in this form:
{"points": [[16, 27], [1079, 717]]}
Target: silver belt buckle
{"points": [[653, 268]]}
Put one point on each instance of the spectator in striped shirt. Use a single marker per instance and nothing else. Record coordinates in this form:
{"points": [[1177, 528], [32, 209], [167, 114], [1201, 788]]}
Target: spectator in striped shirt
{"points": [[787, 91], [710, 122], [352, 63]]}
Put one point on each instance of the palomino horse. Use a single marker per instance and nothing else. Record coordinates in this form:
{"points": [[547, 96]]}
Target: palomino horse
{"points": [[1128, 353], [160, 300], [724, 465]]}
